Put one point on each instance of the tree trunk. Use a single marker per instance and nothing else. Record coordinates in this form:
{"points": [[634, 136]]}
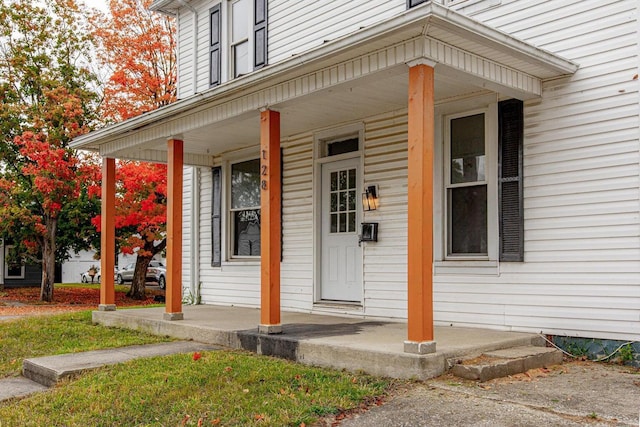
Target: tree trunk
{"points": [[137, 290], [48, 260], [139, 280]]}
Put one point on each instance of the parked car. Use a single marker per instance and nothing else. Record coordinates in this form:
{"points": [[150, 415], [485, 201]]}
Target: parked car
{"points": [[156, 272]]}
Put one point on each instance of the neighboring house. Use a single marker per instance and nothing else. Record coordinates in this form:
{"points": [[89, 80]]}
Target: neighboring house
{"points": [[498, 141], [17, 274]]}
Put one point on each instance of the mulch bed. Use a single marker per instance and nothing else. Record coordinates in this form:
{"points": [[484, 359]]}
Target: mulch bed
{"points": [[26, 301]]}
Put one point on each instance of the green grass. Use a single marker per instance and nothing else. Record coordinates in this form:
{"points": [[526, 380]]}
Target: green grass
{"points": [[118, 288], [65, 333], [226, 388]]}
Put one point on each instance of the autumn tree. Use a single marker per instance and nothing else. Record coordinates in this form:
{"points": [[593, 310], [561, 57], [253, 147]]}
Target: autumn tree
{"points": [[138, 47], [45, 101], [141, 215]]}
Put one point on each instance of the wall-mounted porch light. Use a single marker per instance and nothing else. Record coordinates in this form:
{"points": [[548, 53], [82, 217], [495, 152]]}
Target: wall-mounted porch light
{"points": [[370, 198]]}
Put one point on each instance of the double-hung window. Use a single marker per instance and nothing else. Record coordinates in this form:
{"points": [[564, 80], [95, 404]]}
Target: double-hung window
{"points": [[240, 26], [244, 211], [483, 191], [240, 40], [466, 187]]}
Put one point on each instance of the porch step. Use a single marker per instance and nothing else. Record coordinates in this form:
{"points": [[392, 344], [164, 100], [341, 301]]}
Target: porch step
{"points": [[510, 361]]}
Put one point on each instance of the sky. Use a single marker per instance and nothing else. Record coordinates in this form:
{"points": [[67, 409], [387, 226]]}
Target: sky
{"points": [[100, 4]]}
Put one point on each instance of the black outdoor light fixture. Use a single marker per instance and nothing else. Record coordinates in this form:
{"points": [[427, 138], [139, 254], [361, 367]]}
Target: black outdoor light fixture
{"points": [[370, 198]]}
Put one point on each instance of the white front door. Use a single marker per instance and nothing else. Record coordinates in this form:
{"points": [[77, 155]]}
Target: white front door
{"points": [[341, 255]]}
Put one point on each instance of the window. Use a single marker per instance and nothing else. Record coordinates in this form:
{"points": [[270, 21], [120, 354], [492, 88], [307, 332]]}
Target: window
{"points": [[244, 211], [482, 184], [13, 267], [245, 34], [240, 30], [466, 187]]}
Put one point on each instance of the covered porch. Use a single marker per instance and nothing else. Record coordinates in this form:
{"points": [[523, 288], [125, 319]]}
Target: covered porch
{"points": [[369, 345], [415, 61]]}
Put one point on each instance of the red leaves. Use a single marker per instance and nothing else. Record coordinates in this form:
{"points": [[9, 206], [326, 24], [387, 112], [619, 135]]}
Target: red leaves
{"points": [[141, 49], [196, 356]]}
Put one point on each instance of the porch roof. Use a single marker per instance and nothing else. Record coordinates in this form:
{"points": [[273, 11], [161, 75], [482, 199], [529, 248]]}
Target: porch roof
{"points": [[352, 77]]}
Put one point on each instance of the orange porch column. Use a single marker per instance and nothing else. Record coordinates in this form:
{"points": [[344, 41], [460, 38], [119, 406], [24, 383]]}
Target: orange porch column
{"points": [[175, 161], [270, 205], [420, 208], [108, 235]]}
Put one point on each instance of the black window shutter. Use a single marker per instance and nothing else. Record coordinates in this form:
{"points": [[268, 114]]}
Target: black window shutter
{"points": [[510, 135], [216, 218], [412, 3], [215, 59], [260, 33]]}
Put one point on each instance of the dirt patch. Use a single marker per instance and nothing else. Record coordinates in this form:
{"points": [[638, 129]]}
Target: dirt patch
{"points": [[26, 301]]}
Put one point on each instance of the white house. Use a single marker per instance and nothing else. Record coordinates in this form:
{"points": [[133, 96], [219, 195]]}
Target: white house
{"points": [[498, 141]]}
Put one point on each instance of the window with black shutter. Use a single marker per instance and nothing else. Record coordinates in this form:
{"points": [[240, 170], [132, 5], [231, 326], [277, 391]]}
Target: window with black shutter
{"points": [[511, 217]]}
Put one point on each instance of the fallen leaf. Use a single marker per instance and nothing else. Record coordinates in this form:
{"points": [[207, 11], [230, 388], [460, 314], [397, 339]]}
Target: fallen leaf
{"points": [[200, 421], [215, 422], [197, 355], [185, 420], [635, 77], [228, 369], [259, 417], [246, 390]]}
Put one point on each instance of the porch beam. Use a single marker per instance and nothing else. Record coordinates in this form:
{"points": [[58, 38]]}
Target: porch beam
{"points": [[270, 226], [108, 235], [420, 208], [173, 295]]}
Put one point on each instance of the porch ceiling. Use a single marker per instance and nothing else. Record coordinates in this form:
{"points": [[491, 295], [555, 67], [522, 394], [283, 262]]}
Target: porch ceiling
{"points": [[345, 80]]}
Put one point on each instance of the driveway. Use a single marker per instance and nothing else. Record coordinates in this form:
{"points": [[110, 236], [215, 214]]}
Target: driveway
{"points": [[573, 394]]}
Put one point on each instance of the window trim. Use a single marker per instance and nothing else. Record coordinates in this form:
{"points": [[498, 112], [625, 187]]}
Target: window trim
{"points": [[227, 227], [234, 43], [8, 248], [491, 162]]}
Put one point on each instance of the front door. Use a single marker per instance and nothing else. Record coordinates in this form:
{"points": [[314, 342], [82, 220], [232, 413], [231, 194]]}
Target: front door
{"points": [[341, 255]]}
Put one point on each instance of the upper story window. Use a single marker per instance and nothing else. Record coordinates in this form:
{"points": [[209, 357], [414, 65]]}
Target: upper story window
{"points": [[239, 42], [245, 37]]}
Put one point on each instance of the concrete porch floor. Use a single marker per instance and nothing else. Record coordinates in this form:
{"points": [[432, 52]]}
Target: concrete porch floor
{"points": [[372, 346]]}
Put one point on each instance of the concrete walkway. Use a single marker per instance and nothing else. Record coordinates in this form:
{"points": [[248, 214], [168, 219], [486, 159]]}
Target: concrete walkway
{"points": [[372, 346]]}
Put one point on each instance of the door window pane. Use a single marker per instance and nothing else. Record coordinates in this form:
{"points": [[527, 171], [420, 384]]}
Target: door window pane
{"points": [[343, 201], [468, 220]]}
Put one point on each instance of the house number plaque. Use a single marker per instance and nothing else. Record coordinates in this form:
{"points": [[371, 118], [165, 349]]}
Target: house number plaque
{"points": [[263, 171]]}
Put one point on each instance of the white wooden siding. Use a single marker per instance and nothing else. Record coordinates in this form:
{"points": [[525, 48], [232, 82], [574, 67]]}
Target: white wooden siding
{"points": [[297, 223], [581, 184], [385, 261], [297, 26]]}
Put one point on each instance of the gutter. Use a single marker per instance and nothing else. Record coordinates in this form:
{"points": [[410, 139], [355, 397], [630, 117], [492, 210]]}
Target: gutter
{"points": [[428, 15]]}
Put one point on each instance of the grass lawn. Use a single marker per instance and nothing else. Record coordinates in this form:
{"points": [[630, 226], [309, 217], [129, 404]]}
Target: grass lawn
{"points": [[64, 333], [224, 388], [227, 388]]}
